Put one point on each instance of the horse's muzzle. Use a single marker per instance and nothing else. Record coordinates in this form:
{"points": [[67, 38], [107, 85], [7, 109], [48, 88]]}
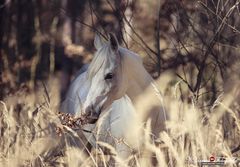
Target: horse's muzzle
{"points": [[90, 116], [91, 119]]}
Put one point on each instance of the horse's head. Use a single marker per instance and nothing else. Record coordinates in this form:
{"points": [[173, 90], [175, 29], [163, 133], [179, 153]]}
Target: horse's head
{"points": [[106, 78]]}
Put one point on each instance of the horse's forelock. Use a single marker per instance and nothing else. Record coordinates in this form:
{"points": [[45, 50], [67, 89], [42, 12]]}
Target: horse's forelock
{"points": [[101, 57]]}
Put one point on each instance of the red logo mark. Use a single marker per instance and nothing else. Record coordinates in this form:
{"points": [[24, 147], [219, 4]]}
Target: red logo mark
{"points": [[212, 158]]}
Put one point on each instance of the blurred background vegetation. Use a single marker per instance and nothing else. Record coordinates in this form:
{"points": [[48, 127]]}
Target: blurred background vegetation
{"points": [[197, 40], [194, 43]]}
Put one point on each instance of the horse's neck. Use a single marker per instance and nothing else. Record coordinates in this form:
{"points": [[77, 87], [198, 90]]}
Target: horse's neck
{"points": [[144, 94], [138, 78], [143, 91]]}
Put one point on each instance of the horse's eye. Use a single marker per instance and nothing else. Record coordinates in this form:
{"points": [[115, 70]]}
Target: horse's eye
{"points": [[108, 76]]}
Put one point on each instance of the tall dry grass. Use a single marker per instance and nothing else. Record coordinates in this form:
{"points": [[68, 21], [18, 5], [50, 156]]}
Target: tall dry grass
{"points": [[29, 135]]}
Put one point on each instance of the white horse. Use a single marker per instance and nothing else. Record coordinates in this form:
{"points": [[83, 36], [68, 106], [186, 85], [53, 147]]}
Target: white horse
{"points": [[108, 127], [109, 92], [115, 72]]}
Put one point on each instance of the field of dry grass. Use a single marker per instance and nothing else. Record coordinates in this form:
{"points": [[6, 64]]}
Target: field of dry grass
{"points": [[32, 133]]}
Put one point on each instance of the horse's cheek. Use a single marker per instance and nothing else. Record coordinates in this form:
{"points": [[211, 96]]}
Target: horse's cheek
{"points": [[121, 84], [117, 91]]}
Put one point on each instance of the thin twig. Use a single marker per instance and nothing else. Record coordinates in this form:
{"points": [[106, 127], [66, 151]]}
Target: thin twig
{"points": [[46, 92], [236, 149], [133, 29]]}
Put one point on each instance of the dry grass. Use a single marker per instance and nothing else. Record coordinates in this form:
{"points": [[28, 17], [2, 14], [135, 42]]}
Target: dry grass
{"points": [[28, 123]]}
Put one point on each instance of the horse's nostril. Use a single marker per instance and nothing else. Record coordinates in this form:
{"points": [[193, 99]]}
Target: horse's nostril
{"points": [[89, 115], [88, 111]]}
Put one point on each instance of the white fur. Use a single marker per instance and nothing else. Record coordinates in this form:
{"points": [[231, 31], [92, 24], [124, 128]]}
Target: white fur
{"points": [[132, 80], [112, 123]]}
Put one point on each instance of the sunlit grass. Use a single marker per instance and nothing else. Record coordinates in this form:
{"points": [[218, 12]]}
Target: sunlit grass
{"points": [[28, 123]]}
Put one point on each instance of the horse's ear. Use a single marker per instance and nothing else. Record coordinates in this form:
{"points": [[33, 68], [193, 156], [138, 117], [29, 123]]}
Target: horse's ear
{"points": [[98, 42], [113, 41]]}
